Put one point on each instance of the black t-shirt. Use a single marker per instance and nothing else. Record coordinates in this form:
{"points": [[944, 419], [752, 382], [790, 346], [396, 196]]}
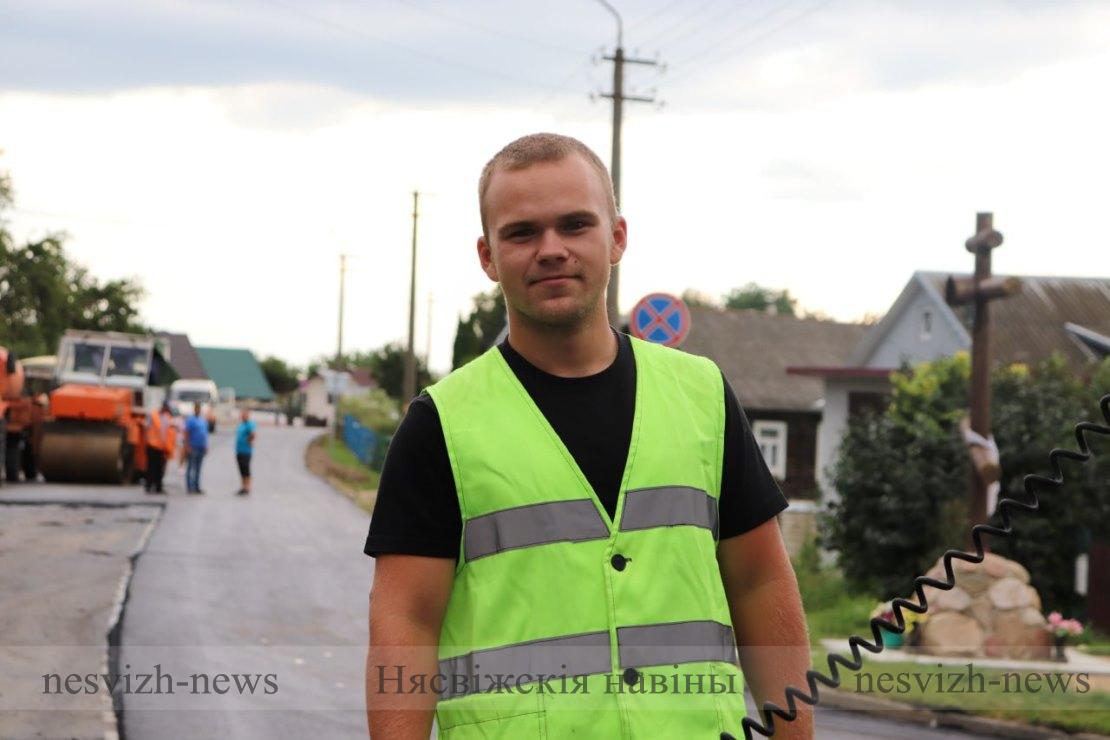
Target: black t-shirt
{"points": [[417, 510]]}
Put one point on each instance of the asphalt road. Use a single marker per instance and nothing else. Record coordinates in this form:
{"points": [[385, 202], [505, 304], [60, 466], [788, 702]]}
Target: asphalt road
{"points": [[274, 585]]}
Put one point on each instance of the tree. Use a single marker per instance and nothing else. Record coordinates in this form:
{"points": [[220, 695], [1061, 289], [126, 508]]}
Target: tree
{"points": [[477, 332], [387, 366], [902, 476], [281, 376], [761, 299], [43, 293], [695, 298]]}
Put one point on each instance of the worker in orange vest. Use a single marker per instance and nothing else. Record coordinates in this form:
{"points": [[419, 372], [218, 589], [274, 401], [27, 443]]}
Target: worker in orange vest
{"points": [[160, 440]]}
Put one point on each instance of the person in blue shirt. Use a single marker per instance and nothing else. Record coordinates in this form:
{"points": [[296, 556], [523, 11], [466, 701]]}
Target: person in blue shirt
{"points": [[196, 446], [244, 448]]}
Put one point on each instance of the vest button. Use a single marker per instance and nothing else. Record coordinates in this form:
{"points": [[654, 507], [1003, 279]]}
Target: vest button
{"points": [[631, 676], [618, 561], [726, 736]]}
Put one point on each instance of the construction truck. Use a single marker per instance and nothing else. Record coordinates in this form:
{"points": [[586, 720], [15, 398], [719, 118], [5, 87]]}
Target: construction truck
{"points": [[96, 428], [21, 419]]}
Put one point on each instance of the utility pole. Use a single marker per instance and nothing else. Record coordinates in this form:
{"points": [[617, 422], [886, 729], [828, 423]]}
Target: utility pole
{"points": [[408, 390], [334, 390], [342, 286], [618, 97], [428, 338]]}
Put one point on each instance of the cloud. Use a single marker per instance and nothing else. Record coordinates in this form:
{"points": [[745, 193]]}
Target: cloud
{"points": [[384, 50]]}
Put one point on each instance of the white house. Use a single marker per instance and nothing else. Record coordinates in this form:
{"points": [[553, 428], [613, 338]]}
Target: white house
{"points": [[320, 392], [1069, 316]]}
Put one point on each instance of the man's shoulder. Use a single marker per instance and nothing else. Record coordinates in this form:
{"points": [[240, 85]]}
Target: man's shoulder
{"points": [[685, 361], [465, 379]]}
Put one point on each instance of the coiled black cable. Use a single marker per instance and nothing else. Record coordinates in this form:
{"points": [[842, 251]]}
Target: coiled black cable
{"points": [[855, 642]]}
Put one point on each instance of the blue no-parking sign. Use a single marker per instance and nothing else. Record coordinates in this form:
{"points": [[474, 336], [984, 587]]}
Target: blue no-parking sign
{"points": [[661, 318]]}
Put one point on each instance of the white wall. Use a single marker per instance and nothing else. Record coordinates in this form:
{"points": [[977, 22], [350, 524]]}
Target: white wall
{"points": [[834, 422], [904, 340], [316, 400]]}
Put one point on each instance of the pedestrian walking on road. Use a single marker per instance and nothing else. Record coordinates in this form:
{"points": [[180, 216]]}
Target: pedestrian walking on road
{"points": [[161, 438], [576, 507], [244, 448], [196, 446]]}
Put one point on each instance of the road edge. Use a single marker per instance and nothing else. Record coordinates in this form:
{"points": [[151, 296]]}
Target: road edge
{"points": [[941, 718], [114, 718]]}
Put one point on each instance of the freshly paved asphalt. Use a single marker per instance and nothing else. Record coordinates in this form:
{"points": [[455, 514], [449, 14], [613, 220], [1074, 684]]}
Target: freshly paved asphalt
{"points": [[271, 583]]}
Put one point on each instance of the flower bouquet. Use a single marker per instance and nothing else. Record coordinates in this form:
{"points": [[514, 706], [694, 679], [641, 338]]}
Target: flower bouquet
{"points": [[1061, 629]]}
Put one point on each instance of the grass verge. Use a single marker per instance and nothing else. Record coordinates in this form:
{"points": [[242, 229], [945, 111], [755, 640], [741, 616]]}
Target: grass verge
{"points": [[1057, 698], [330, 459]]}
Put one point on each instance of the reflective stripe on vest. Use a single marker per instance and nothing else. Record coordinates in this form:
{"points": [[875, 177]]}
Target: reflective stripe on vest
{"points": [[588, 654], [578, 520], [534, 524], [574, 655], [669, 506], [679, 642]]}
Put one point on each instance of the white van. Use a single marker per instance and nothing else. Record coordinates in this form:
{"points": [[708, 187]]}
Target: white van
{"points": [[184, 393]]}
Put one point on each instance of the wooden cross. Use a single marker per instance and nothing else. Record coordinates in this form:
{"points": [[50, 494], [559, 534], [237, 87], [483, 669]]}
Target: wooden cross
{"points": [[979, 291]]}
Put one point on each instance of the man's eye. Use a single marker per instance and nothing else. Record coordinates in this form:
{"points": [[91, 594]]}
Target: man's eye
{"points": [[576, 225]]}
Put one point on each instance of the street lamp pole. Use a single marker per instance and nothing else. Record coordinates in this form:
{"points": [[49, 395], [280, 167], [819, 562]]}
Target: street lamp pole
{"points": [[618, 97]]}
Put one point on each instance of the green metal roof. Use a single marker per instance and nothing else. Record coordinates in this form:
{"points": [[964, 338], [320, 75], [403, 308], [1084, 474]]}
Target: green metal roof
{"points": [[238, 369]]}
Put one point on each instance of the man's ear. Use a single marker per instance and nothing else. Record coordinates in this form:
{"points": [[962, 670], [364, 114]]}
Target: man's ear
{"points": [[485, 257], [620, 240]]}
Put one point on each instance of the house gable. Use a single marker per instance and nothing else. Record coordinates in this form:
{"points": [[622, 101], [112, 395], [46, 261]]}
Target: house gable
{"points": [[919, 327]]}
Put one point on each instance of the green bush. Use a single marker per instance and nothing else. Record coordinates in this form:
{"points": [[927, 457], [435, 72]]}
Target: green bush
{"points": [[377, 410], [903, 477]]}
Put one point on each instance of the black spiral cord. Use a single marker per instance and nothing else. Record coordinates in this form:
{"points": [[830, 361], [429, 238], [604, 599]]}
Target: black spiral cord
{"points": [[813, 677]]}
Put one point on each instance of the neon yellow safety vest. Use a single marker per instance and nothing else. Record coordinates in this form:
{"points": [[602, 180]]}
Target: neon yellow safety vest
{"points": [[563, 623]]}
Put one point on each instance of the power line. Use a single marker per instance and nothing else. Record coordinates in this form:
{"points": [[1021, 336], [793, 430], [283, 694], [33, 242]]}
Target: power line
{"points": [[562, 86], [453, 64], [451, 18], [752, 41], [679, 23], [714, 20], [653, 15]]}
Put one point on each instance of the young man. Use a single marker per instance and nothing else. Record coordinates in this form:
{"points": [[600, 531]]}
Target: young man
{"points": [[196, 446], [244, 448], [575, 504]]}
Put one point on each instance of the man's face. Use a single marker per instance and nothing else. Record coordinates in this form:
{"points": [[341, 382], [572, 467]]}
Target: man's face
{"points": [[551, 241]]}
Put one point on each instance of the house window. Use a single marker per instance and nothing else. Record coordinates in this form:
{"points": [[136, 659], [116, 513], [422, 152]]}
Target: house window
{"points": [[771, 437], [926, 325]]}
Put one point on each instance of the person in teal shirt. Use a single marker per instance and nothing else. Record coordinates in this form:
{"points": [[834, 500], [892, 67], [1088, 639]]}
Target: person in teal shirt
{"points": [[244, 448]]}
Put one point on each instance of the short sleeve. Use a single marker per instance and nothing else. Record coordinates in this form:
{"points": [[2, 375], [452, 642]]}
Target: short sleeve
{"points": [[417, 509], [749, 494]]}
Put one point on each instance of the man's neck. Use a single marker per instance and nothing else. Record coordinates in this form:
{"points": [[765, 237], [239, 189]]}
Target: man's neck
{"points": [[571, 352]]}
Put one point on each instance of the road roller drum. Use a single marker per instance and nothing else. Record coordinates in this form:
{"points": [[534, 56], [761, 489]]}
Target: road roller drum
{"points": [[90, 452]]}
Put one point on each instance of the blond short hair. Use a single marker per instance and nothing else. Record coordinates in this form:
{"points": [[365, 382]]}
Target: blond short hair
{"points": [[535, 148]]}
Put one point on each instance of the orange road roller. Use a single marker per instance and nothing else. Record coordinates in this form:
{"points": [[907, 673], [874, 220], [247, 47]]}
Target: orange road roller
{"points": [[107, 384]]}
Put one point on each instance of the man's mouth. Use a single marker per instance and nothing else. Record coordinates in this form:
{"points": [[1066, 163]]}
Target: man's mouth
{"points": [[553, 278]]}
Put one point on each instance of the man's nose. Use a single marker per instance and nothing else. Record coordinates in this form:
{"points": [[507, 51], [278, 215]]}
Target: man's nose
{"points": [[551, 246]]}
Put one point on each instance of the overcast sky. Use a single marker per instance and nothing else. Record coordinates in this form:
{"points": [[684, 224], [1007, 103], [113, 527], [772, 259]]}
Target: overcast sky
{"points": [[226, 153]]}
